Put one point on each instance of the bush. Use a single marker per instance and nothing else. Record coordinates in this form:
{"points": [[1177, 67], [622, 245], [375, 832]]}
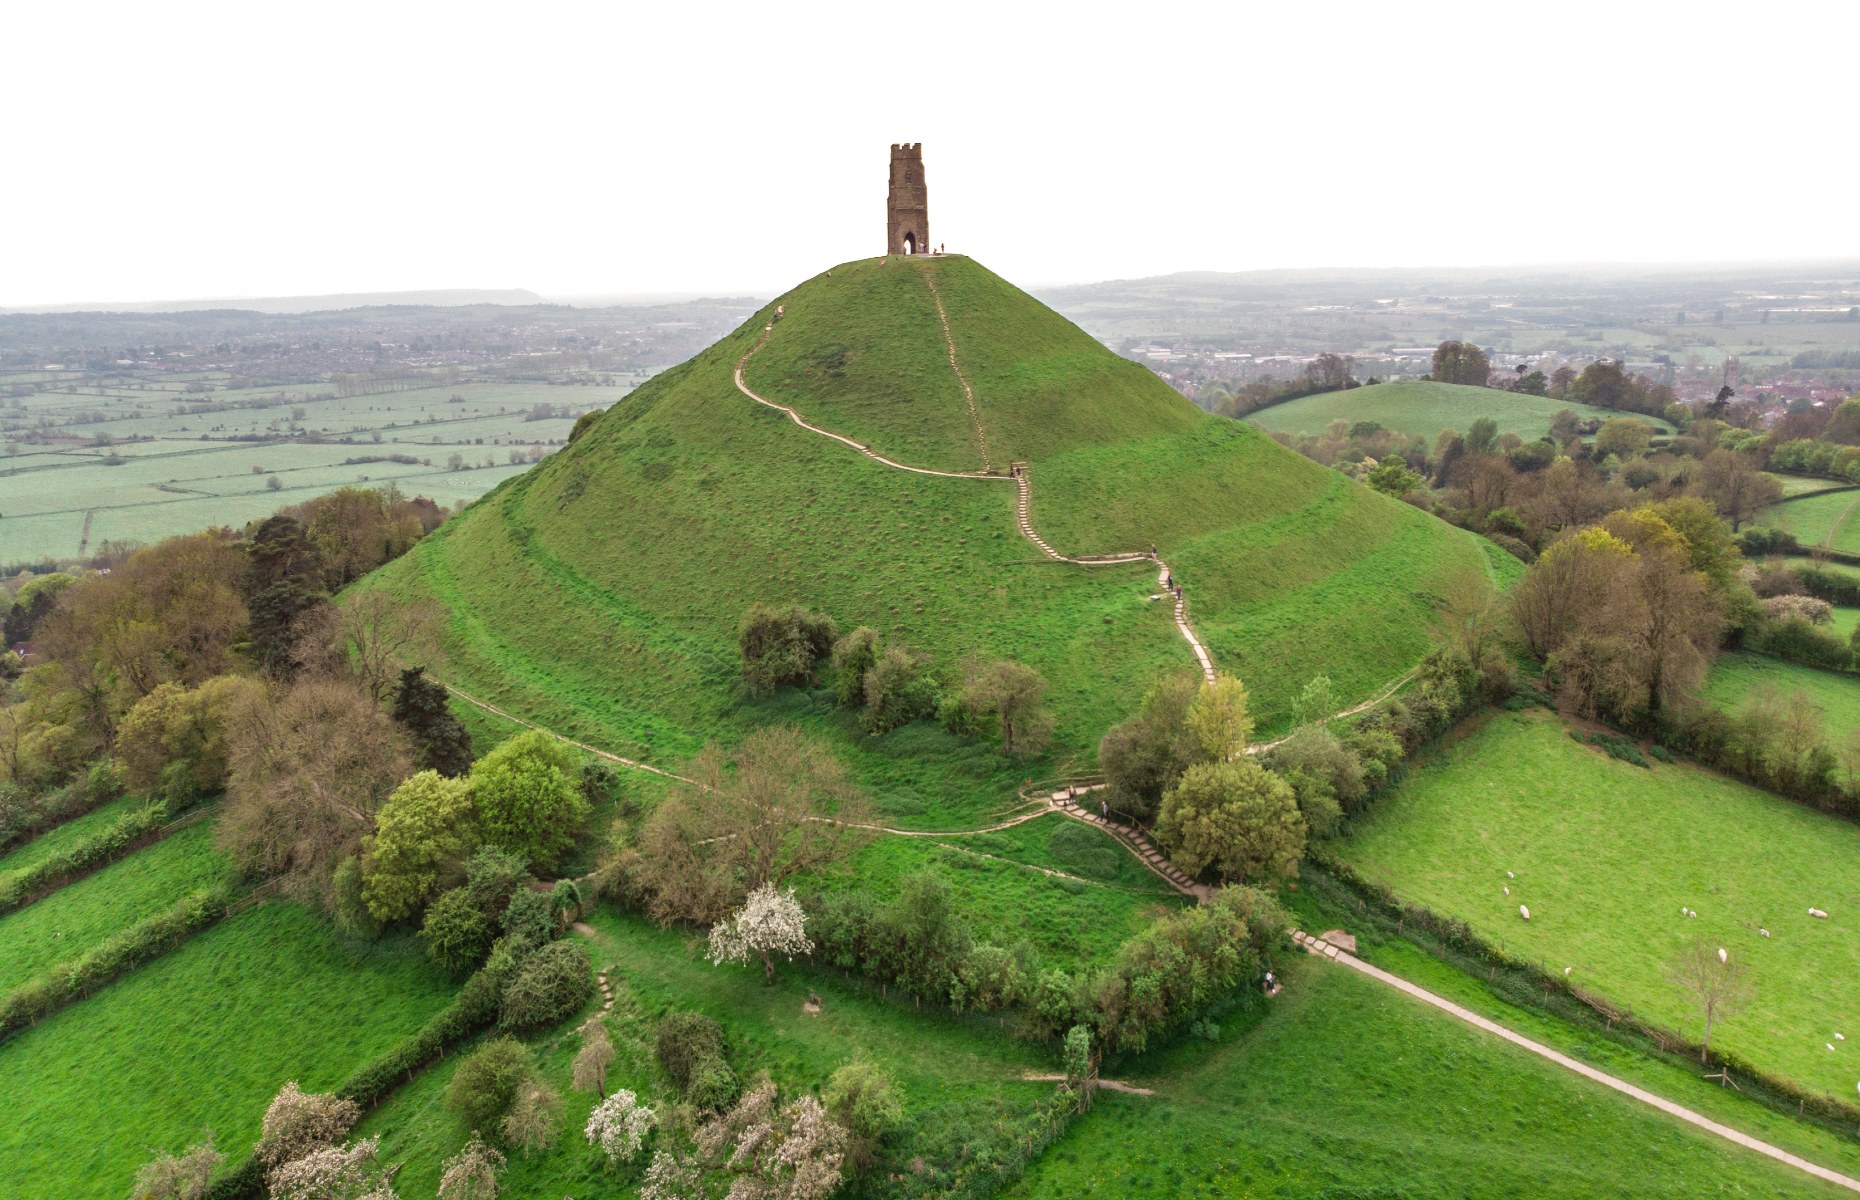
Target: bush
{"points": [[782, 646], [863, 1099], [528, 918], [485, 1085], [1796, 640], [684, 1043], [714, 1087], [456, 931], [550, 985], [898, 690], [565, 901], [853, 656], [603, 783]]}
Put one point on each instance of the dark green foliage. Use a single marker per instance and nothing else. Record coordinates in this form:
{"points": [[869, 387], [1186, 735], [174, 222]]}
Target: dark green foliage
{"points": [[898, 689], [127, 833], [1143, 756], [1615, 746], [565, 900], [440, 740], [1760, 543], [1798, 641], [853, 656], [35, 1000], [485, 1084], [714, 1086], [550, 985], [782, 645], [31, 605], [1462, 363], [283, 581], [690, 1050], [492, 877], [605, 784], [457, 932], [528, 918], [1084, 851], [1823, 584]]}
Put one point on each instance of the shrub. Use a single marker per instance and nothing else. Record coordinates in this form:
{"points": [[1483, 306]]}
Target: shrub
{"points": [[782, 646], [603, 783], [1797, 640], [528, 918], [1787, 607], [684, 1043], [535, 1118], [548, 987], [456, 931], [863, 1099], [565, 900], [485, 1085], [853, 656], [298, 1122], [714, 1086], [525, 799], [898, 690]]}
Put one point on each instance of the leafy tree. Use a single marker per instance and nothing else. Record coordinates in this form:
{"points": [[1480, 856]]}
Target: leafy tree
{"points": [[1461, 362], [1236, 817], [457, 932], [1623, 437], [1316, 702], [526, 797], [1534, 384], [440, 740], [282, 581], [853, 656], [782, 646], [1147, 752], [422, 835], [862, 1098], [1219, 721], [769, 923], [485, 1085], [1392, 477], [310, 767], [1482, 436], [1016, 695], [1734, 486], [897, 691], [788, 806], [177, 724]]}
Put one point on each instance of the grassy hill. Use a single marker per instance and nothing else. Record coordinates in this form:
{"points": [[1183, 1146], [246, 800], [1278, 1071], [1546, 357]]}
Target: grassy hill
{"points": [[600, 593], [1734, 676], [1819, 519], [1425, 408], [1606, 854]]}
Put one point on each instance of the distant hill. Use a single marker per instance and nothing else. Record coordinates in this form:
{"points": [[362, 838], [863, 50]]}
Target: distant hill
{"points": [[453, 298], [1426, 408], [600, 592]]}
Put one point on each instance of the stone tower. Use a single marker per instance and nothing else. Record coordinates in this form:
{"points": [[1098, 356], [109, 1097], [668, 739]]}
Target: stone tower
{"points": [[907, 210]]}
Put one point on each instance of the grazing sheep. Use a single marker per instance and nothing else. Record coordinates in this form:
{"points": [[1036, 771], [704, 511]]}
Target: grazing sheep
{"points": [[1509, 875], [1566, 971], [1839, 1038], [1764, 932], [1829, 1045], [1722, 956], [1815, 912], [1524, 912], [1508, 889]]}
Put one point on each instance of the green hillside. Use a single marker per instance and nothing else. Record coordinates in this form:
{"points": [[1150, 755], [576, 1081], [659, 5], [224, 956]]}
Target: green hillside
{"points": [[600, 593], [1425, 408]]}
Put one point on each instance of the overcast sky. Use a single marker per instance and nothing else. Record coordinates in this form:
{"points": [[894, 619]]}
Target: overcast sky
{"points": [[186, 149]]}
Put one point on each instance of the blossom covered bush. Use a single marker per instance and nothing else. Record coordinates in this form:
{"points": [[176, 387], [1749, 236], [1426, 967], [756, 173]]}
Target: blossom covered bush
{"points": [[769, 923], [619, 1125]]}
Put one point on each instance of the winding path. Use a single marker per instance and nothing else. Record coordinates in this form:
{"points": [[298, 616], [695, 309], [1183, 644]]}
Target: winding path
{"points": [[1319, 946]]}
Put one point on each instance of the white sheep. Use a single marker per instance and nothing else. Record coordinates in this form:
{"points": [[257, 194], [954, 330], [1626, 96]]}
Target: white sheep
{"points": [[1816, 912], [1509, 875], [1508, 889], [1829, 1045], [1566, 971], [1524, 912], [1764, 932], [1722, 956], [1839, 1038]]}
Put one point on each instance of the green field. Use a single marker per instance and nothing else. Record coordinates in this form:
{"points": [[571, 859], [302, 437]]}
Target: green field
{"points": [[1351, 1089], [1606, 854], [78, 916], [1734, 675], [62, 836], [59, 498], [1821, 519], [1424, 408], [202, 1037], [959, 1076], [1803, 485]]}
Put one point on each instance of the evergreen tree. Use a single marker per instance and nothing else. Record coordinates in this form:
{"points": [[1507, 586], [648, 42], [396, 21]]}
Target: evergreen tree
{"points": [[439, 738], [282, 582]]}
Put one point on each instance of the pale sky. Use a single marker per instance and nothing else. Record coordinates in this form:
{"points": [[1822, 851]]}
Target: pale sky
{"points": [[188, 149]]}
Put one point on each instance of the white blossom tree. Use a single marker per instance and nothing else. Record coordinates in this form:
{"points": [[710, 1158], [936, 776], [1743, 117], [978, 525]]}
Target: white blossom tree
{"points": [[185, 1176], [334, 1173], [796, 1153], [619, 1125], [670, 1178], [769, 923], [471, 1174], [298, 1122]]}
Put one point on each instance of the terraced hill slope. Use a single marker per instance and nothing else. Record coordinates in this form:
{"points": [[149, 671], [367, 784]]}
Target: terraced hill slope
{"points": [[600, 593]]}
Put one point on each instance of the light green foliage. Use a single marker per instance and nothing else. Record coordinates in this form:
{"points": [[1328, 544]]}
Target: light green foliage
{"points": [[486, 1084], [422, 834], [1219, 721], [1316, 702], [1235, 817], [526, 797], [212, 1028], [1607, 854], [853, 655], [1392, 477], [862, 1097], [1626, 437]]}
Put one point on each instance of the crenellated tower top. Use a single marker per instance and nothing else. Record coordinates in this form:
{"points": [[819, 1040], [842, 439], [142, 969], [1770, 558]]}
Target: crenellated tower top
{"points": [[907, 209]]}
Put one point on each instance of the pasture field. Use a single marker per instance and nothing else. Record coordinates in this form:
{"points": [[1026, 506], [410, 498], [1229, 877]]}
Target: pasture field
{"points": [[1804, 485], [61, 497], [61, 836], [1347, 1088], [1424, 408], [80, 915], [202, 1037], [1607, 854], [1733, 677], [959, 1076], [1829, 519]]}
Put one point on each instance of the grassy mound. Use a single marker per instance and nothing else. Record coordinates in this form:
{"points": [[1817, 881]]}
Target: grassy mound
{"points": [[599, 594], [1606, 854], [1425, 408], [1348, 1088]]}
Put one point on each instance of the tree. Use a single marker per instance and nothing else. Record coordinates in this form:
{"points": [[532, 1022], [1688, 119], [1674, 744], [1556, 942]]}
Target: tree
{"points": [[471, 1174], [441, 741], [1734, 486], [422, 835], [589, 1071], [1219, 721], [352, 1172], [550, 984], [486, 1084], [310, 767], [1482, 436], [1316, 703], [1623, 437], [185, 1176], [897, 691], [1142, 756], [31, 604], [787, 806], [769, 923], [282, 581], [782, 646], [853, 656], [862, 1098], [1392, 477], [794, 1153], [1076, 1053], [1569, 581], [526, 797], [1016, 695], [534, 1121], [377, 635], [1236, 817], [1717, 984], [1462, 363], [457, 931], [619, 1125], [177, 724], [297, 1122]]}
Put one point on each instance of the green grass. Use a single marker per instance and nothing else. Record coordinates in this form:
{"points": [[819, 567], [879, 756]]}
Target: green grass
{"points": [[1606, 854], [1348, 1088], [957, 1075], [1424, 408], [62, 836], [1803, 485], [77, 917], [1818, 519], [201, 1037], [1734, 675]]}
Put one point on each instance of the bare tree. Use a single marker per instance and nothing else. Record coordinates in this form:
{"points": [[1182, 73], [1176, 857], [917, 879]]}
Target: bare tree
{"points": [[1716, 982], [374, 636]]}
